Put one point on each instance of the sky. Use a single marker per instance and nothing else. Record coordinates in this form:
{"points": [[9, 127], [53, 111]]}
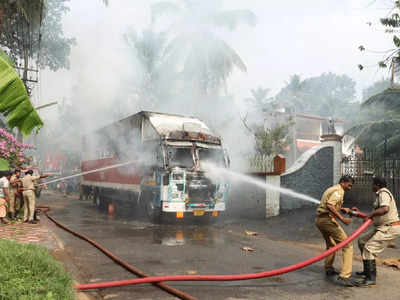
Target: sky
{"points": [[307, 37]]}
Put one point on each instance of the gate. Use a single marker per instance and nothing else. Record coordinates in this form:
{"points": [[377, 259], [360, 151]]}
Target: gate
{"points": [[362, 167]]}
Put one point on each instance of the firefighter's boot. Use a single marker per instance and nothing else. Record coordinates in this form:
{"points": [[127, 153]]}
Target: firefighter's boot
{"points": [[363, 273], [370, 276]]}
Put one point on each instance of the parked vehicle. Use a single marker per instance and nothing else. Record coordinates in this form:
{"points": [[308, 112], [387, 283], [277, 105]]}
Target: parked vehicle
{"points": [[164, 174]]}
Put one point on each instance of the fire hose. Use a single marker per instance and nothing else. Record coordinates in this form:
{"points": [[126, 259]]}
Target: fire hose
{"points": [[157, 279], [163, 286]]}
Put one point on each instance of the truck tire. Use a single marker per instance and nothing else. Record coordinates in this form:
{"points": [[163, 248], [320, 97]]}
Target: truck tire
{"points": [[152, 211]]}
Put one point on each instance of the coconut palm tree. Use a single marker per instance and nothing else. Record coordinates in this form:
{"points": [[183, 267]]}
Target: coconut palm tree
{"points": [[148, 48], [207, 59]]}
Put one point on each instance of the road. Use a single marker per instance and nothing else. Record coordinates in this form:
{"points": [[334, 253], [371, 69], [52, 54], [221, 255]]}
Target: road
{"points": [[195, 247]]}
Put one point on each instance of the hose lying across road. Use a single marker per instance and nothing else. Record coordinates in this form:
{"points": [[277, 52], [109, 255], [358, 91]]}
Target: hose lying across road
{"points": [[163, 286], [157, 280], [287, 269]]}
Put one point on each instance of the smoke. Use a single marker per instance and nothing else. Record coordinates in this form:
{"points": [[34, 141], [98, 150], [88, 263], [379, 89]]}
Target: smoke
{"points": [[113, 73], [123, 64]]}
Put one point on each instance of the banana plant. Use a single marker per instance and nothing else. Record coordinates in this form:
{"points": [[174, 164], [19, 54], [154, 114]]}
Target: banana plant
{"points": [[14, 100]]}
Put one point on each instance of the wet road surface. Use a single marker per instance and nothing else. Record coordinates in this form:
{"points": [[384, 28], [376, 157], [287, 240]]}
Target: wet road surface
{"points": [[199, 248]]}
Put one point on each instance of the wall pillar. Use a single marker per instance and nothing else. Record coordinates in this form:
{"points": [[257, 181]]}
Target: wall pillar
{"points": [[335, 141], [272, 197]]}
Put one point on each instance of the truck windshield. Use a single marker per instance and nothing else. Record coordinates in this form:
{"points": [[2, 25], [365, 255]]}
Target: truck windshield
{"points": [[213, 156], [180, 157]]}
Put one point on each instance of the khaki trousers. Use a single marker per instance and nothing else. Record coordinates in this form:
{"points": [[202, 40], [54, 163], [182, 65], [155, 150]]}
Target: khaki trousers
{"points": [[3, 207], [333, 234], [29, 205], [374, 242], [14, 201]]}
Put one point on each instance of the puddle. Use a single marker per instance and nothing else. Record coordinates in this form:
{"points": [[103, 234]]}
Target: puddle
{"points": [[186, 236]]}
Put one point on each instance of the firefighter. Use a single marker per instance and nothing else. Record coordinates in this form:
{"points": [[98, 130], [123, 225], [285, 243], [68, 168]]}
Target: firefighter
{"points": [[386, 228], [15, 197], [328, 212], [28, 194]]}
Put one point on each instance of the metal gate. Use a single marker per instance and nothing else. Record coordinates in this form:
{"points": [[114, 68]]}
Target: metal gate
{"points": [[362, 167]]}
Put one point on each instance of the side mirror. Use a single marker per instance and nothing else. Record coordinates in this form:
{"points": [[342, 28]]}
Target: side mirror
{"points": [[166, 179]]}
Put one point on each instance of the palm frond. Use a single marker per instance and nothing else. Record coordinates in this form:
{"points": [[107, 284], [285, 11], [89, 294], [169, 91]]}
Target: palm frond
{"points": [[389, 98], [15, 103], [232, 18], [366, 128], [236, 60]]}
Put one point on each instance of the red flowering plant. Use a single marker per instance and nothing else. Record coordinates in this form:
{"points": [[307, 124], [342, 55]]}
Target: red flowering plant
{"points": [[12, 151]]}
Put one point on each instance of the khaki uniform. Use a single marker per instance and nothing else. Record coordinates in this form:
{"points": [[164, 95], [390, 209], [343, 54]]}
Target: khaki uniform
{"points": [[332, 232], [29, 196], [375, 241], [13, 193]]}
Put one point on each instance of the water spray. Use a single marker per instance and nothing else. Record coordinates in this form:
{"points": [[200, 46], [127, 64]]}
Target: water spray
{"points": [[212, 169], [88, 172]]}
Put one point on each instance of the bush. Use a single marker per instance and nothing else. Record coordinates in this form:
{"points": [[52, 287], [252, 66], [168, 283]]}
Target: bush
{"points": [[30, 272]]}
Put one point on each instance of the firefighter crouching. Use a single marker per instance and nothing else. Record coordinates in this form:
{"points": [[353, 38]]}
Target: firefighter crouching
{"points": [[386, 228], [328, 212], [28, 193]]}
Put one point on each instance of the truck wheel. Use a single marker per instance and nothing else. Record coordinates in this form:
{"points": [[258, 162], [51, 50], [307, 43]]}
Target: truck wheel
{"points": [[153, 212]]}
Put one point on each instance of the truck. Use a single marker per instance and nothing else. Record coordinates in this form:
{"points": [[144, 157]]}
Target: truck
{"points": [[155, 162]]}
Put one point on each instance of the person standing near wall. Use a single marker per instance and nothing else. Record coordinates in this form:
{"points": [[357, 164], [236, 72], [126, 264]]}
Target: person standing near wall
{"points": [[386, 228], [4, 197], [328, 212], [15, 199], [28, 194]]}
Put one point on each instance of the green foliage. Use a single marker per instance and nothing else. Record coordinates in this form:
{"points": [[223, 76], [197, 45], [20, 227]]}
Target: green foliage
{"points": [[392, 22], [149, 48], [30, 272], [6, 58], [30, 26], [4, 165], [327, 95], [272, 141], [379, 119], [197, 54], [259, 99], [55, 48], [375, 88], [15, 103]]}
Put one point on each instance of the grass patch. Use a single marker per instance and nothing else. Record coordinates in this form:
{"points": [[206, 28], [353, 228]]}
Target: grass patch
{"points": [[30, 272]]}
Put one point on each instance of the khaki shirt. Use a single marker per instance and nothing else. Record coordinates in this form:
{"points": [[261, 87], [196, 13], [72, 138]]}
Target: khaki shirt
{"points": [[14, 187], [27, 182], [334, 196], [385, 198]]}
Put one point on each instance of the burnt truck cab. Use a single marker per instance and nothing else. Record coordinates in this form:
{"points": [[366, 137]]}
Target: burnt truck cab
{"points": [[180, 183], [169, 158]]}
